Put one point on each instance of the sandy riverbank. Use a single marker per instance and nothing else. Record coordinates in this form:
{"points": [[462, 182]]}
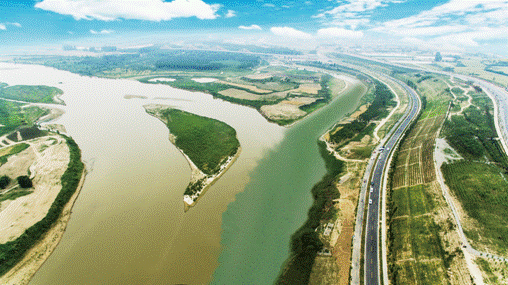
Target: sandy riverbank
{"points": [[37, 255], [209, 180]]}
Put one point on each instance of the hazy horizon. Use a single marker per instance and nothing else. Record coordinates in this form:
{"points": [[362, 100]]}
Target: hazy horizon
{"points": [[449, 26]]}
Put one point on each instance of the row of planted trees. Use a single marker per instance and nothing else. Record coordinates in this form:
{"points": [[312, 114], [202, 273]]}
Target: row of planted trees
{"points": [[23, 181]]}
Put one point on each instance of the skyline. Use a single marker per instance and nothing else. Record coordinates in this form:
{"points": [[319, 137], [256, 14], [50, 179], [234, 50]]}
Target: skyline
{"points": [[448, 25]]}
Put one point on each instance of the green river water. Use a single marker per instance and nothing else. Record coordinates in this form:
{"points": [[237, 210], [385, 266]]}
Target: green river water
{"points": [[257, 226]]}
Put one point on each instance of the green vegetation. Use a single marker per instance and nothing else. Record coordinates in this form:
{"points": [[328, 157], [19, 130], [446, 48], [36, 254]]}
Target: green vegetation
{"points": [[305, 242], [214, 88], [12, 252], [151, 60], [474, 135], [458, 91], [281, 86], [482, 190], [31, 93], [207, 142], [24, 181], [481, 99], [14, 194], [4, 181], [15, 149], [13, 116], [498, 68], [378, 109]]}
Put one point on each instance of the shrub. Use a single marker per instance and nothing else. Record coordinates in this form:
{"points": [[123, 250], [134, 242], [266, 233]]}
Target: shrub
{"points": [[4, 181], [24, 181]]}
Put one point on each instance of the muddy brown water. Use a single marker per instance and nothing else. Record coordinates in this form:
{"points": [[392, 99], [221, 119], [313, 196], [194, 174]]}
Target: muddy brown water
{"points": [[128, 225]]}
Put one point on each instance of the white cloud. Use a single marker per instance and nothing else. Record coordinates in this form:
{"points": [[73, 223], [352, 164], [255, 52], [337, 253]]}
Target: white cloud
{"points": [[339, 33], [230, 14], [290, 32], [458, 22], [352, 13], [268, 5], [3, 26], [151, 10], [251, 27], [103, 32]]}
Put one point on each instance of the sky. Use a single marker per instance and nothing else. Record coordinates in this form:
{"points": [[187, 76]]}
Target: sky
{"points": [[461, 25]]}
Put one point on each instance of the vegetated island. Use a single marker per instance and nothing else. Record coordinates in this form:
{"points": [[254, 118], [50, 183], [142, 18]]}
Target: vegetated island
{"points": [[210, 146]]}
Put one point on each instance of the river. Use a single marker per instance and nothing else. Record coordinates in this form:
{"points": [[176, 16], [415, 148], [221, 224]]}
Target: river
{"points": [[128, 225], [257, 226]]}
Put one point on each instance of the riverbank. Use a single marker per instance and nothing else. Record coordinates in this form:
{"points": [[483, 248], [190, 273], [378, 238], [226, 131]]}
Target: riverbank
{"points": [[207, 180], [34, 258]]}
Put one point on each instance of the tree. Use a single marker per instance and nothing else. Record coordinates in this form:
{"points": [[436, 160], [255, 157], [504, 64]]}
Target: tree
{"points": [[24, 181], [4, 181], [438, 57]]}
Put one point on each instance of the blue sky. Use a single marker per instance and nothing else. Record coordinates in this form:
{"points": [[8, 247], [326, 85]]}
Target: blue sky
{"points": [[448, 24]]}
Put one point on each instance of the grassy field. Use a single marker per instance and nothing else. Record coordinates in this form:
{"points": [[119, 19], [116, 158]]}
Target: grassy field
{"points": [[493, 272], [11, 150], [14, 194], [207, 142], [12, 116], [31, 93], [482, 190]]}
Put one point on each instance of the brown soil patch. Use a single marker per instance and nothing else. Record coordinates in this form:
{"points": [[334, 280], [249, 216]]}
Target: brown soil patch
{"points": [[309, 88], [245, 86], [287, 109], [259, 76], [135, 96], [335, 269], [245, 95]]}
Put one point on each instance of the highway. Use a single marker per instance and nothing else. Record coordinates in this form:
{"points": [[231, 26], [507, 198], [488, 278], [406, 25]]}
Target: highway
{"points": [[381, 157]]}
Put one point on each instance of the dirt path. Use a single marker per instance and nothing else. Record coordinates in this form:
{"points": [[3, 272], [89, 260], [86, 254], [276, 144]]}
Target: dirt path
{"points": [[385, 120], [469, 100]]}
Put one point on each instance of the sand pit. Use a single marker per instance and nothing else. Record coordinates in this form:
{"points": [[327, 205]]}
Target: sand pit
{"points": [[46, 160], [287, 109]]}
